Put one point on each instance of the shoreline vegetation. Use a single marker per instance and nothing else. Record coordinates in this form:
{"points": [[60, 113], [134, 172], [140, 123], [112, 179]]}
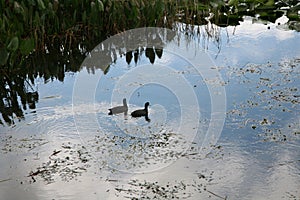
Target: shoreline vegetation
{"points": [[40, 26], [48, 38]]}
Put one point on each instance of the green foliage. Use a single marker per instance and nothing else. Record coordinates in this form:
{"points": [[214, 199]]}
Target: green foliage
{"points": [[28, 25], [32, 25], [4, 54], [27, 46], [13, 44]]}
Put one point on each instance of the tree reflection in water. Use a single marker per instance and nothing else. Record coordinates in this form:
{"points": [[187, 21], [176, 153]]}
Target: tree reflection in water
{"points": [[18, 86], [18, 92]]}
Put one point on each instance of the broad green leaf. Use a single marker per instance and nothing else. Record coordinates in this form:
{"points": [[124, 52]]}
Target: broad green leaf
{"points": [[13, 44]]}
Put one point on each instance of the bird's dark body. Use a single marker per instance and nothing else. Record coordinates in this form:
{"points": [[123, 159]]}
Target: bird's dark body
{"points": [[141, 112]]}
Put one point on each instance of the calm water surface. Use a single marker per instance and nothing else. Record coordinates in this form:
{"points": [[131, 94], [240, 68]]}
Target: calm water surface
{"points": [[58, 152]]}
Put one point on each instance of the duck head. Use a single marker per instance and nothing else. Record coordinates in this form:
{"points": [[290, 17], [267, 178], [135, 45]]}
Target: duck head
{"points": [[147, 104], [124, 102]]}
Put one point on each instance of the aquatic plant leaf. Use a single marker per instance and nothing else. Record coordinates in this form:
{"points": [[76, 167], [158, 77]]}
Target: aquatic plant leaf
{"points": [[100, 5], [12, 58], [13, 44], [4, 54], [26, 46], [84, 17], [233, 2], [41, 4], [270, 3], [31, 2], [18, 8]]}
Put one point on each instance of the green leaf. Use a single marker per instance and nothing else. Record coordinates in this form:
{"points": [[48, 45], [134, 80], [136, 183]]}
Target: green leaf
{"points": [[13, 44], [270, 3], [41, 4], [233, 2], [13, 58], [18, 8], [31, 2], [75, 16], [84, 17], [100, 5], [27, 46], [4, 54]]}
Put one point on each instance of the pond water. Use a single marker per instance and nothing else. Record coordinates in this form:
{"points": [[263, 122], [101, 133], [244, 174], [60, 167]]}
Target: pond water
{"points": [[224, 120]]}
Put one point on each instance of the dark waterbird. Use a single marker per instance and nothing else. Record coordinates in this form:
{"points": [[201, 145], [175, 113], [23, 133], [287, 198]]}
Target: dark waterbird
{"points": [[119, 109], [142, 112]]}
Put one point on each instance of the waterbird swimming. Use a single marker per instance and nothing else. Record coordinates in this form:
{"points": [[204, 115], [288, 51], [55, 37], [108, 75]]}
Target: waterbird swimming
{"points": [[142, 112], [119, 109]]}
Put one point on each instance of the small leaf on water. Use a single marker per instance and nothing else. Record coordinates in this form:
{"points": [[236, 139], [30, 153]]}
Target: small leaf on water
{"points": [[13, 44]]}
